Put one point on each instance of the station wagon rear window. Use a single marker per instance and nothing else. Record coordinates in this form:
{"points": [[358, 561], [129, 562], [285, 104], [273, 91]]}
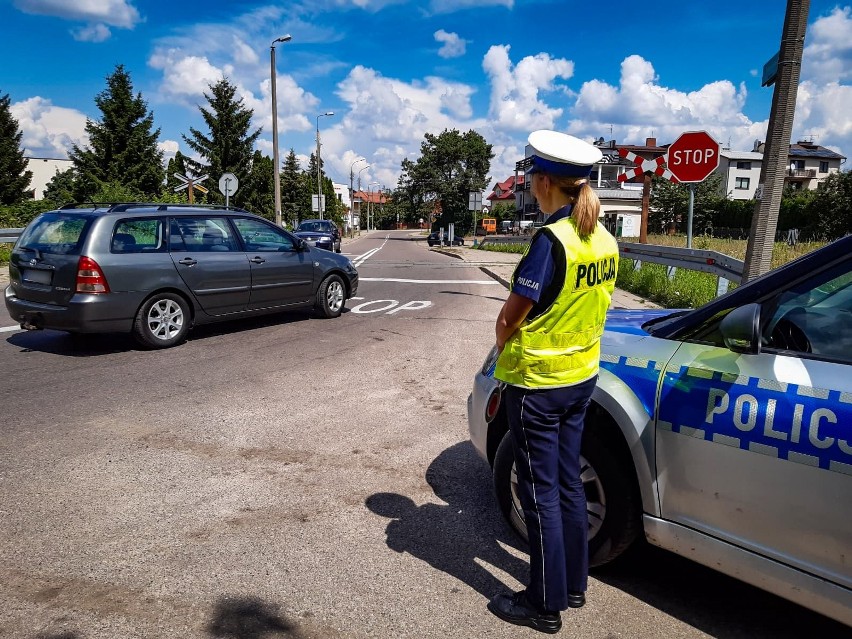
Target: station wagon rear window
{"points": [[55, 233], [139, 236]]}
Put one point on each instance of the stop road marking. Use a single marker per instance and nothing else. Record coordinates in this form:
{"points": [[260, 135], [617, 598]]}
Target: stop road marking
{"points": [[390, 306]]}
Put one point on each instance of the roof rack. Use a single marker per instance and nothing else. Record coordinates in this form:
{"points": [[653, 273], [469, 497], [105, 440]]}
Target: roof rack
{"points": [[166, 206], [88, 205]]}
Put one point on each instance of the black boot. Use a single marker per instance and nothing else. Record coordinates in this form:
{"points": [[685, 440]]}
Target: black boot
{"points": [[516, 609]]}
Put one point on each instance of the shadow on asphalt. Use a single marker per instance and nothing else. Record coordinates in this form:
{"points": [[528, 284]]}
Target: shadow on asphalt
{"points": [[721, 606], [94, 344], [455, 538], [250, 618], [459, 535], [487, 297]]}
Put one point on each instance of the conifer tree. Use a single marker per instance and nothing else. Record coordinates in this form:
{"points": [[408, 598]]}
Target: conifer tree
{"points": [[122, 147], [14, 177], [292, 187], [228, 145], [176, 165], [258, 195]]}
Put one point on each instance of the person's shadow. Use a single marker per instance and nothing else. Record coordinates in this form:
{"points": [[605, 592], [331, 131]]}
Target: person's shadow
{"points": [[461, 536]]}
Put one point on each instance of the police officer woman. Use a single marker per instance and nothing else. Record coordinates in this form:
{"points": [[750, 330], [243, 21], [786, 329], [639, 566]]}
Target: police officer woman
{"points": [[548, 334]]}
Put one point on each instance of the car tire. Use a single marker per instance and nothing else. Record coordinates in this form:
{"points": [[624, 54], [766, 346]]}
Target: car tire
{"points": [[162, 321], [613, 505], [331, 296]]}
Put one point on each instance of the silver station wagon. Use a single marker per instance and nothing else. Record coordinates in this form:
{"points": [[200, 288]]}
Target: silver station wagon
{"points": [[722, 433], [155, 270]]}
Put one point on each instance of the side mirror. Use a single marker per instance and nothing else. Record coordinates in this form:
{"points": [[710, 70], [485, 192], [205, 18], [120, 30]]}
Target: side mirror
{"points": [[741, 329]]}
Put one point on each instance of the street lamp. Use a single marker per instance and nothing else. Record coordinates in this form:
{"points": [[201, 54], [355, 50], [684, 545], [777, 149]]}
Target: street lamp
{"points": [[351, 192], [359, 190], [319, 165], [285, 38]]}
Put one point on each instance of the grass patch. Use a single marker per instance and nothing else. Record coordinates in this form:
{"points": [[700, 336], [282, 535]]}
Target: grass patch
{"points": [[687, 289], [516, 247]]}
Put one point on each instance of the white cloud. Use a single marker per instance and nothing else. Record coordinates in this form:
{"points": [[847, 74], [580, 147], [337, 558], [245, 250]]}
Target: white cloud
{"points": [[116, 13], [828, 53], [92, 33], [822, 105], [450, 6], [387, 118], [169, 149], [641, 107], [48, 131], [454, 46], [515, 100]]}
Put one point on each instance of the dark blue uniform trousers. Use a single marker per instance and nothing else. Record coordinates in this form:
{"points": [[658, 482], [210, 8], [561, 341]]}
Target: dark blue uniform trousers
{"points": [[547, 429]]}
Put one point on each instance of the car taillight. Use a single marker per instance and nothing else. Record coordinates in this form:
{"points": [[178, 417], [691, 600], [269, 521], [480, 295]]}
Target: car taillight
{"points": [[493, 405], [90, 277]]}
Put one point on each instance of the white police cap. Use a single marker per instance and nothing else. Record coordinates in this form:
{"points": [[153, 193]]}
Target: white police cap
{"points": [[561, 154]]}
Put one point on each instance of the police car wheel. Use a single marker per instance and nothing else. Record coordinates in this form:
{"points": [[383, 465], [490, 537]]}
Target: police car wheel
{"points": [[610, 499]]}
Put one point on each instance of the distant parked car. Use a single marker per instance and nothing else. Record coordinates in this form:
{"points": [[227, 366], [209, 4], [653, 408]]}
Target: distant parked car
{"points": [[321, 233], [434, 239], [155, 270]]}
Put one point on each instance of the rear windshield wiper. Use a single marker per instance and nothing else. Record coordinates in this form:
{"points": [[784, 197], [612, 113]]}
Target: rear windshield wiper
{"points": [[37, 252]]}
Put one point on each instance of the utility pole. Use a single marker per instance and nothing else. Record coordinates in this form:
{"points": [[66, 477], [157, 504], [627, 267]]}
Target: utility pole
{"points": [[774, 166]]}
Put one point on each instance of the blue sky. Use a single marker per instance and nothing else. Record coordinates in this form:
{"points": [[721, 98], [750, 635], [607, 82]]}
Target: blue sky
{"points": [[392, 70]]}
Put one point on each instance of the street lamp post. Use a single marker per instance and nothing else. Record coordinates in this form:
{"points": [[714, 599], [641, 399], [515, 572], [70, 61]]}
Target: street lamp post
{"points": [[319, 165], [359, 190], [351, 191], [277, 178]]}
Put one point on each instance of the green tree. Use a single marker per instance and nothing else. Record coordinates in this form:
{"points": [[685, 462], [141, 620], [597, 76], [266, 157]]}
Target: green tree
{"points": [[14, 177], [292, 187], [503, 211], [670, 203], [176, 165], [122, 146], [259, 196], [60, 189], [831, 207], [450, 166], [229, 144]]}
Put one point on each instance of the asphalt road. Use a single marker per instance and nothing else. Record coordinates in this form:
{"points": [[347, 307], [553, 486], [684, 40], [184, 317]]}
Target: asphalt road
{"points": [[296, 477]]}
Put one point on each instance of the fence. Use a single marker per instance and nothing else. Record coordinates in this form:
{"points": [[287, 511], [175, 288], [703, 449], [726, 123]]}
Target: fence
{"points": [[725, 268]]}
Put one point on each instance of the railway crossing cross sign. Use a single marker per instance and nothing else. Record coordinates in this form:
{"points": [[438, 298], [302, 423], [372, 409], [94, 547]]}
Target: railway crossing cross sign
{"points": [[191, 183]]}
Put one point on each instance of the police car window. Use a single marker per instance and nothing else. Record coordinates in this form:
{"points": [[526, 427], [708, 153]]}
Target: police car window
{"points": [[813, 317]]}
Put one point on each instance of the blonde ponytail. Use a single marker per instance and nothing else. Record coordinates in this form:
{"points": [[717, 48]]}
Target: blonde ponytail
{"points": [[587, 206]]}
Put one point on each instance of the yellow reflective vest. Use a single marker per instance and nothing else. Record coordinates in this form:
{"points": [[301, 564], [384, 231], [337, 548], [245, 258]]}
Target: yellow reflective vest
{"points": [[561, 346]]}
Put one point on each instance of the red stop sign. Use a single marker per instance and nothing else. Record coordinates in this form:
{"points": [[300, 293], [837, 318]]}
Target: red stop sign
{"points": [[693, 156]]}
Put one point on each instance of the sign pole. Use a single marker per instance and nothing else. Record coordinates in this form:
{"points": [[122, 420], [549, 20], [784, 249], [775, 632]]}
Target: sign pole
{"points": [[689, 215]]}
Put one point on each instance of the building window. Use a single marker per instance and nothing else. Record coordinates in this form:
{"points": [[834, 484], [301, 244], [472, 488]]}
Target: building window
{"points": [[744, 165], [741, 183], [797, 165], [823, 167]]}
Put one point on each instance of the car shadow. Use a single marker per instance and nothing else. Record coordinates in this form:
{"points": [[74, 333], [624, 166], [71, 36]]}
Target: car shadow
{"points": [[95, 344], [710, 601], [461, 534]]}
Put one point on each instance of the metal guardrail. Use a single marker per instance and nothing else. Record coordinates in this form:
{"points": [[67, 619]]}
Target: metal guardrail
{"points": [[10, 236], [726, 268]]}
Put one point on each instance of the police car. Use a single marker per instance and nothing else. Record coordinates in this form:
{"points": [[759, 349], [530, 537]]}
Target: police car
{"points": [[722, 433]]}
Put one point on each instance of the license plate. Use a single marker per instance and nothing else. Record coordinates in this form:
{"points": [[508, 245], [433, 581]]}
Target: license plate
{"points": [[37, 276]]}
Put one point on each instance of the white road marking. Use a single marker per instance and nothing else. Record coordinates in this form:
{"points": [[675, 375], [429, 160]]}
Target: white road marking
{"points": [[358, 261], [404, 281], [9, 329]]}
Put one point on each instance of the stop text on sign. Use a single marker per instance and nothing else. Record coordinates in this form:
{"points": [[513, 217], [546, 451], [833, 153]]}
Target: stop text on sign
{"points": [[693, 156]]}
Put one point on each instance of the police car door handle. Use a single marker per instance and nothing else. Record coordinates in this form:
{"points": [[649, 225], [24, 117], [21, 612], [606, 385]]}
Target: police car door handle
{"points": [[188, 261], [257, 260]]}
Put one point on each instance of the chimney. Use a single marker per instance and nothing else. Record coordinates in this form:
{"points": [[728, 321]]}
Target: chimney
{"points": [[650, 141]]}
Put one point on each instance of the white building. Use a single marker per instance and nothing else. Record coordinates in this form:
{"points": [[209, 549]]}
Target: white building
{"points": [[740, 173], [808, 166], [44, 169]]}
